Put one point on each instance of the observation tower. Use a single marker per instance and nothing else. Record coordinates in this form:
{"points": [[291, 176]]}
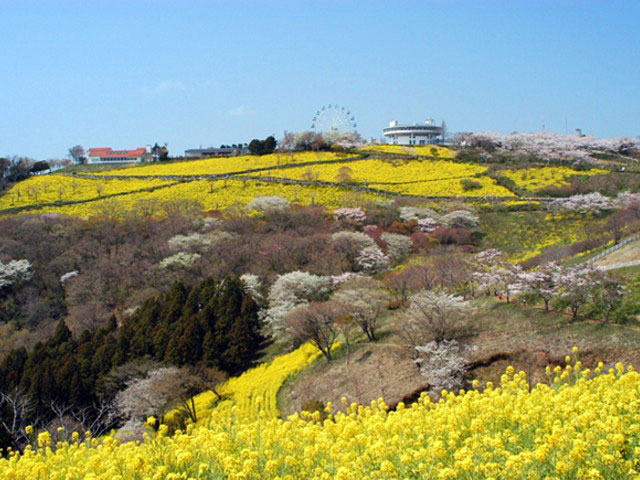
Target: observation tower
{"points": [[427, 133]]}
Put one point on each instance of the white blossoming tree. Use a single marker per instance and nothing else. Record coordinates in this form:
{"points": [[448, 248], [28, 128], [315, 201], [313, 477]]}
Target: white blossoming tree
{"points": [[434, 316], [363, 301], [14, 272], [442, 364], [350, 245], [575, 287], [268, 204], [398, 246], [461, 219], [289, 291], [372, 260], [542, 282]]}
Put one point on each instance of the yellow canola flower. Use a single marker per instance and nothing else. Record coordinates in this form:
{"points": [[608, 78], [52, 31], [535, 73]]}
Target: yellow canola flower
{"points": [[224, 166], [221, 194], [436, 178], [533, 179], [583, 429], [432, 151], [255, 390], [43, 189]]}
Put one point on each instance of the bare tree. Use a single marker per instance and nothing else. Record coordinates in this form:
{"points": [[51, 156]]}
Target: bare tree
{"points": [[97, 418], [315, 323], [363, 300], [77, 153], [17, 409]]}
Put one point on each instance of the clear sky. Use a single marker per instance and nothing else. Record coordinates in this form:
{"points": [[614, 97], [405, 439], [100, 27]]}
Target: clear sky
{"points": [[129, 73]]}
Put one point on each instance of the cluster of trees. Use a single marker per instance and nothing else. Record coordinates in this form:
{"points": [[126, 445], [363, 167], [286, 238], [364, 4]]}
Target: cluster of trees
{"points": [[566, 287], [315, 141], [262, 147], [213, 324], [15, 169], [549, 146], [302, 307]]}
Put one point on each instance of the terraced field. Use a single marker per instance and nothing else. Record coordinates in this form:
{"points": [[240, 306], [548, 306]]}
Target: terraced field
{"points": [[309, 178]]}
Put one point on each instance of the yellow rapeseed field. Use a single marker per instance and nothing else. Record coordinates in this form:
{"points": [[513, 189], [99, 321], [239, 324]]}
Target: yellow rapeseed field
{"points": [[255, 390], [533, 179], [58, 188], [446, 188], [420, 151], [584, 425], [221, 194], [223, 166], [379, 171], [434, 178]]}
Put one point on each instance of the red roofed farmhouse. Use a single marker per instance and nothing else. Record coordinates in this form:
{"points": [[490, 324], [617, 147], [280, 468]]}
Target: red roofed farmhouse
{"points": [[107, 155]]}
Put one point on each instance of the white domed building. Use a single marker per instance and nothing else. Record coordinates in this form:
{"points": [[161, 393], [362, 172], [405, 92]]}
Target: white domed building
{"points": [[427, 133]]}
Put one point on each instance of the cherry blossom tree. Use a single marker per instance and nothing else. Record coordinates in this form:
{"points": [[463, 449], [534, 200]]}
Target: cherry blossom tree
{"points": [[350, 246], [494, 273], [575, 287], [593, 202], [542, 282], [15, 271], [398, 246], [461, 219], [549, 146], [355, 216], [289, 291], [364, 302], [442, 364], [268, 204], [434, 316], [372, 260]]}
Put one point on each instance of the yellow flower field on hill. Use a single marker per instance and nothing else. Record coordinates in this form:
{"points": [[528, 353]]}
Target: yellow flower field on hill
{"points": [[446, 188], [214, 195], [529, 235], [421, 151], [584, 426], [222, 166], [59, 188], [379, 171], [533, 179], [256, 390]]}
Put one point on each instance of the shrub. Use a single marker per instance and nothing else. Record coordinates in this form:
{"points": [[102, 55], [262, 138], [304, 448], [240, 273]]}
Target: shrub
{"points": [[372, 260], [268, 204], [404, 228], [461, 219], [452, 236], [398, 246], [180, 260], [468, 184]]}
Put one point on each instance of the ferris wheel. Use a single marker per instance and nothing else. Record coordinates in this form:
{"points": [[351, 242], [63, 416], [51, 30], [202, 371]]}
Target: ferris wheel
{"points": [[333, 118]]}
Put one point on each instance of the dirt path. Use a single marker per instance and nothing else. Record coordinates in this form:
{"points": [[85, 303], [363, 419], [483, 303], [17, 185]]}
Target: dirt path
{"points": [[628, 253]]}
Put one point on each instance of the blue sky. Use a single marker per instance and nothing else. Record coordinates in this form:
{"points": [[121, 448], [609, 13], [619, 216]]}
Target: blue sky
{"points": [[129, 73]]}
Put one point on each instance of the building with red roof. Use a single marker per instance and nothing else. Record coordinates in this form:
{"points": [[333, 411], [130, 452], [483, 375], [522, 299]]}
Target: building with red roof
{"points": [[107, 155]]}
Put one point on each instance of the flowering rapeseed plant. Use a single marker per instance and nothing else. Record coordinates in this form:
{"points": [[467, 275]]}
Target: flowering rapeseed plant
{"points": [[533, 179], [585, 425]]}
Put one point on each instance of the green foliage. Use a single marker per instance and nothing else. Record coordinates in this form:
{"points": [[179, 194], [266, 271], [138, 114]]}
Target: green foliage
{"points": [[629, 308], [468, 184], [40, 166], [262, 147]]}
